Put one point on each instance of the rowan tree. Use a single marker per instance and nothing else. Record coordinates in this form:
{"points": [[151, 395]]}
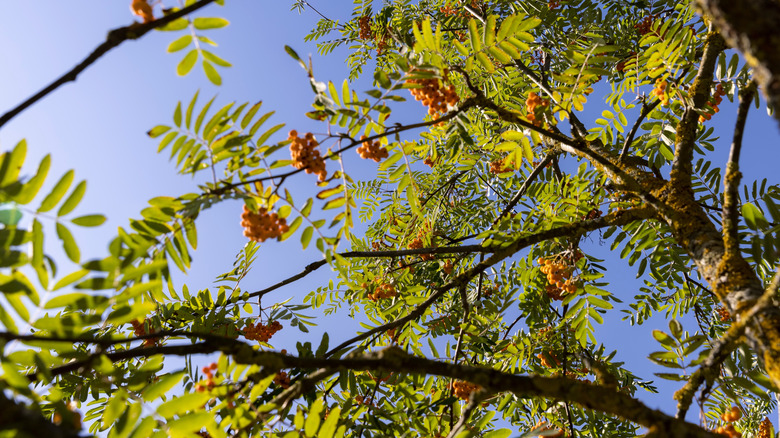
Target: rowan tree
{"points": [[469, 260]]}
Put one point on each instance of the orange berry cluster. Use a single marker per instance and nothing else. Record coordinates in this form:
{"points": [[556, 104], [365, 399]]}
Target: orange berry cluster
{"points": [[429, 161], [139, 329], [645, 25], [558, 277], [723, 314], [449, 10], [660, 91], [765, 429], [434, 95], [359, 399], [209, 372], [381, 42], [730, 417], [448, 267], [592, 214], [282, 379], [305, 155], [143, 9], [717, 98], [261, 332], [417, 243], [262, 225], [365, 28], [384, 290], [381, 378], [463, 389], [546, 363], [535, 107], [371, 150], [378, 245], [552, 4], [497, 166], [543, 427]]}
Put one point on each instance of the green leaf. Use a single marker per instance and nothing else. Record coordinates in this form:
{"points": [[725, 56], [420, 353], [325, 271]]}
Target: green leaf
{"points": [[215, 59], [186, 64], [114, 408], [328, 428], [203, 23], [68, 243], [211, 73], [177, 24], [12, 164], [158, 131], [10, 215], [73, 200], [306, 236], [90, 220], [56, 194], [126, 313], [499, 433], [161, 386], [70, 279], [180, 43], [753, 216], [182, 404], [30, 189], [189, 423], [177, 115]]}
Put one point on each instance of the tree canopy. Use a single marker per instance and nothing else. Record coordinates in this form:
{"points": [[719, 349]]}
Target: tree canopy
{"points": [[462, 242]]}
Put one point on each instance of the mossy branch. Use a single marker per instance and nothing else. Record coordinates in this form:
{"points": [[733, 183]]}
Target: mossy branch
{"points": [[734, 176], [751, 27], [708, 371], [682, 164]]}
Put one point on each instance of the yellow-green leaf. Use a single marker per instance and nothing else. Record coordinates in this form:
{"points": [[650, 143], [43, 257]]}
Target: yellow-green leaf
{"points": [[186, 63], [203, 23], [56, 194], [73, 200], [179, 43]]}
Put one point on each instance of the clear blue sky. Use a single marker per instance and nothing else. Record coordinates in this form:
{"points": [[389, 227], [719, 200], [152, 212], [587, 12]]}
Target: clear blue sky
{"points": [[98, 126]]}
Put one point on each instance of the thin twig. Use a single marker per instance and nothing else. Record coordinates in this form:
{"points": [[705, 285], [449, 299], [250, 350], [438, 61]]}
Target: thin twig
{"points": [[115, 37]]}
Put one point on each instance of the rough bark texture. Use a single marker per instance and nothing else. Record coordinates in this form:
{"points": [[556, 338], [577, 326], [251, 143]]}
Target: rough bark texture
{"points": [[753, 27]]}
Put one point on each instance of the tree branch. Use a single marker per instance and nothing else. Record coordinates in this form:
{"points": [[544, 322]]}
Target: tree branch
{"points": [[708, 371], [392, 359], [520, 192], [733, 176], [682, 169], [115, 37], [617, 218], [311, 267], [751, 27]]}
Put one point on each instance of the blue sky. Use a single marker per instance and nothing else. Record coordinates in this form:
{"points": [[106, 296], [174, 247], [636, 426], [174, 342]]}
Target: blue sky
{"points": [[98, 125]]}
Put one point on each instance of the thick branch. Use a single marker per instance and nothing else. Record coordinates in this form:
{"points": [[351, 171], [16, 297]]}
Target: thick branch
{"points": [[393, 359], [689, 123], [114, 38], [600, 398], [723, 347], [751, 27]]}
